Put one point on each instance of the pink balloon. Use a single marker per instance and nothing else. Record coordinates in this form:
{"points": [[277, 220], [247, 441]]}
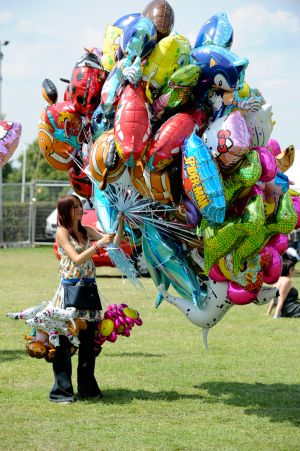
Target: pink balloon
{"points": [[296, 203], [237, 295], [10, 133], [273, 271], [280, 242], [268, 164], [139, 322], [274, 147], [112, 337], [109, 314], [117, 323], [216, 274]]}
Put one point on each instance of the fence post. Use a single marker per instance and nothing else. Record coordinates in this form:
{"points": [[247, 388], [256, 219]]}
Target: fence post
{"points": [[32, 214]]}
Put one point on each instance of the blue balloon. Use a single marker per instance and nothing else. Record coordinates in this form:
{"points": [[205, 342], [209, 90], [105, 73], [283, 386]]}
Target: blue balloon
{"points": [[202, 181], [126, 21], [217, 31], [139, 38], [100, 123], [220, 69], [168, 256], [107, 214]]}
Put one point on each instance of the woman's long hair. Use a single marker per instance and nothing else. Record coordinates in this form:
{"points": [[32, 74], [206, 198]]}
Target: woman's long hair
{"points": [[64, 216]]}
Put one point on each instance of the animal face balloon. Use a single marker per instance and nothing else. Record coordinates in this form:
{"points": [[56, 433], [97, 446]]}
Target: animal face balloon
{"points": [[60, 134], [105, 164], [228, 139], [110, 46], [168, 55], [220, 68], [10, 133]]}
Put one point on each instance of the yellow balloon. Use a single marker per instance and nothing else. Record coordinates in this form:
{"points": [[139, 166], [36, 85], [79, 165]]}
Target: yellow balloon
{"points": [[110, 46], [167, 56], [131, 313], [106, 327]]}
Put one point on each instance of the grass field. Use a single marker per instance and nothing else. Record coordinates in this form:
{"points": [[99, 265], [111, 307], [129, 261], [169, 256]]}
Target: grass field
{"points": [[162, 390]]}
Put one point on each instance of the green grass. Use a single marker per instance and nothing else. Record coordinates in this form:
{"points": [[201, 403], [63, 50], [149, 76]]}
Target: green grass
{"points": [[162, 390]]}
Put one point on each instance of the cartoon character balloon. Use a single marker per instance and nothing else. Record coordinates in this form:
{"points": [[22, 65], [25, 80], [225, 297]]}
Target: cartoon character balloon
{"points": [[10, 133]]}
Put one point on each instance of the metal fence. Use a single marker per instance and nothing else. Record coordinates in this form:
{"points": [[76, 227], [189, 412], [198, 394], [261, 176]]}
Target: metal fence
{"points": [[25, 208]]}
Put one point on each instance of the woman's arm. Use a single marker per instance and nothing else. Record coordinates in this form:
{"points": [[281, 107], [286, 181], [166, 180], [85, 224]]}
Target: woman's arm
{"points": [[120, 231], [63, 241], [285, 287]]}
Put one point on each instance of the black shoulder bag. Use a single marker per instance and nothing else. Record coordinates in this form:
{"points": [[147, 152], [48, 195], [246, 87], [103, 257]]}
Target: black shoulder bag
{"points": [[84, 297]]}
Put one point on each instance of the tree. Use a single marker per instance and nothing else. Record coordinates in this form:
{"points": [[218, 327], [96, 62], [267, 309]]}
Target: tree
{"points": [[37, 167]]}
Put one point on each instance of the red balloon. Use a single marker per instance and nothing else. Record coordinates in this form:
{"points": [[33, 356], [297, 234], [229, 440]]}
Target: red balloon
{"points": [[237, 295], [132, 125]]}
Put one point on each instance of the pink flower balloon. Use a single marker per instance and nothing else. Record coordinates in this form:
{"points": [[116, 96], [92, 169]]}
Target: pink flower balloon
{"points": [[274, 147], [268, 164], [280, 242], [272, 273], [216, 274], [10, 133], [237, 295]]}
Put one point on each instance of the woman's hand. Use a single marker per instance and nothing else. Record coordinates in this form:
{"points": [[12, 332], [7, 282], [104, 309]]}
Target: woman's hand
{"points": [[106, 239]]}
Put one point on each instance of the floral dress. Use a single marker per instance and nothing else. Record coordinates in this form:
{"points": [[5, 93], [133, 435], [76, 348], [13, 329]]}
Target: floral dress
{"points": [[70, 270]]}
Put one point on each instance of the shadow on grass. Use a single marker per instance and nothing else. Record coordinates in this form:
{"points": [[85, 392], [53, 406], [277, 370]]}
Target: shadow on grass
{"points": [[134, 354], [11, 354], [109, 276], [125, 396], [278, 402]]}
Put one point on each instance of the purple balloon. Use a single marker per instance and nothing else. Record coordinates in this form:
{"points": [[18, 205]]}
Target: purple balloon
{"points": [[192, 213]]}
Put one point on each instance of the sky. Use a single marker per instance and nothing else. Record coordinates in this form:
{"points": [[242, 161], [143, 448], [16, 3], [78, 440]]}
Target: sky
{"points": [[46, 40]]}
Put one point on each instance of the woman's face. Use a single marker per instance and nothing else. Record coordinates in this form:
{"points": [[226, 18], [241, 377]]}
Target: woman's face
{"points": [[77, 210]]}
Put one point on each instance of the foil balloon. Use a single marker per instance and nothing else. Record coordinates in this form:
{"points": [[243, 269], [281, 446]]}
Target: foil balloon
{"points": [[101, 123], [161, 14], [192, 213], [104, 162], [178, 89], [225, 102], [249, 277], [238, 295], [268, 164], [138, 38], [110, 47], [10, 133], [132, 125], [244, 176], [260, 125], [80, 182], [169, 258], [49, 91], [228, 139], [165, 145], [125, 21], [271, 271], [86, 83], [157, 276], [202, 181], [280, 242], [274, 147], [107, 214], [217, 30], [61, 133], [112, 90], [220, 69], [296, 204], [168, 55], [151, 184], [286, 158]]}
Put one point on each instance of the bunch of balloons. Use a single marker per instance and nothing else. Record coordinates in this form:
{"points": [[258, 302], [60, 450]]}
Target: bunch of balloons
{"points": [[118, 320], [211, 196]]}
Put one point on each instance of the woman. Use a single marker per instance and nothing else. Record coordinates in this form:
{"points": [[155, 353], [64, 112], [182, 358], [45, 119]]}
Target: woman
{"points": [[76, 265], [287, 304]]}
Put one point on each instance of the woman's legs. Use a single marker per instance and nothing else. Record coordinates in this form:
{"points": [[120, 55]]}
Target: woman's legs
{"points": [[62, 389], [87, 384]]}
